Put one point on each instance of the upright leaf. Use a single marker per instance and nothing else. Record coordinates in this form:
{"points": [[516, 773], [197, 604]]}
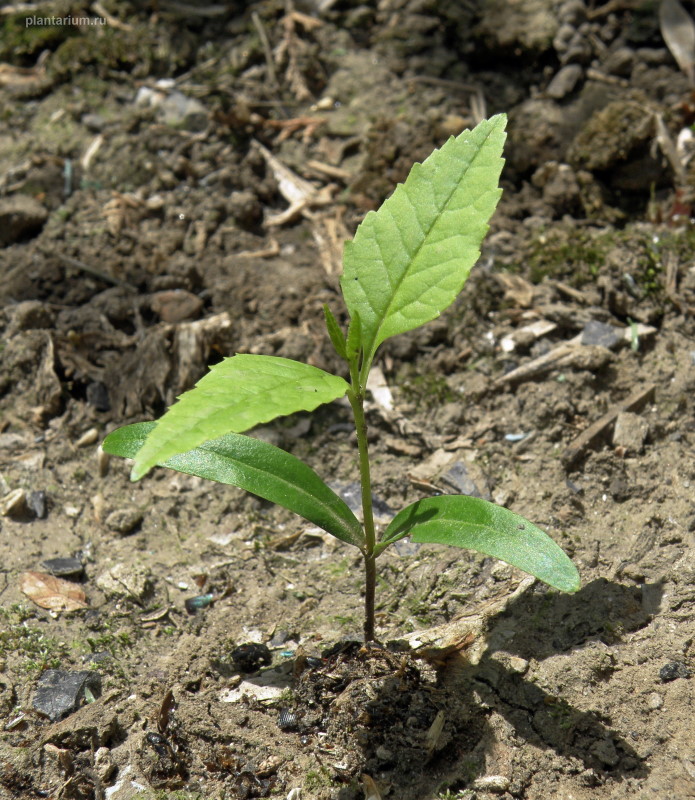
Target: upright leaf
{"points": [[237, 394], [475, 524], [258, 467], [410, 259], [336, 335]]}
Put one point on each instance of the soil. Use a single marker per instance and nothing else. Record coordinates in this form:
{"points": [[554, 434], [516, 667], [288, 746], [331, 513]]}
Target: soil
{"points": [[145, 234]]}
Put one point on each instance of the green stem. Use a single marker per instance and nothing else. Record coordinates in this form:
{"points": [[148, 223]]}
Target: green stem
{"points": [[356, 398]]}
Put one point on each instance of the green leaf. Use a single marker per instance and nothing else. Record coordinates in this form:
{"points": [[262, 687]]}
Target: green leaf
{"points": [[354, 337], [410, 259], [334, 331], [237, 394], [258, 467], [473, 523]]}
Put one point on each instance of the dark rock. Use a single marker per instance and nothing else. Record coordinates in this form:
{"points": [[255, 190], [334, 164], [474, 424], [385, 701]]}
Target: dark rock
{"points": [[20, 217], [60, 692], [98, 396], [672, 671], [70, 568], [36, 503], [458, 478], [251, 657]]}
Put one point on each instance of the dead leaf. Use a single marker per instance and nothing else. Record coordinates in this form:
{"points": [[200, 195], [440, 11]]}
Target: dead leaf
{"points": [[52, 593]]}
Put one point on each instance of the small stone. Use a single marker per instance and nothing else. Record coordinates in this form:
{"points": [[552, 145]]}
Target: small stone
{"points": [[36, 503], [492, 783], [94, 122], [98, 396], [600, 333], [565, 81], [126, 581], [60, 692], [20, 217], [620, 62], [87, 438], [184, 112], [103, 764], [605, 752], [124, 520], [630, 432], [655, 701], [384, 754], [69, 568], [72, 510], [176, 305], [672, 671]]}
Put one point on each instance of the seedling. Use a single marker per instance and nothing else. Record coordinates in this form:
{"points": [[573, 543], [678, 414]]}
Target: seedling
{"points": [[407, 263]]}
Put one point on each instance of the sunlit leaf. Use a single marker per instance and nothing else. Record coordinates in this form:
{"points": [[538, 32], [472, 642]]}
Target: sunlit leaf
{"points": [[410, 259], [475, 524], [258, 467], [236, 395]]}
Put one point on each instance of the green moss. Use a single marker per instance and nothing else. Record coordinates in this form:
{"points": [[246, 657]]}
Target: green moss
{"points": [[29, 643], [427, 389], [20, 42]]}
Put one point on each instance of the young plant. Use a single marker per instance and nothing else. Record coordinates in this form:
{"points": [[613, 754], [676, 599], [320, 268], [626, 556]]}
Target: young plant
{"points": [[407, 263]]}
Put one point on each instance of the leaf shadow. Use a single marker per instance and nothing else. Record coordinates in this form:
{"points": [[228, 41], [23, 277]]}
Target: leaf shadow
{"points": [[540, 624]]}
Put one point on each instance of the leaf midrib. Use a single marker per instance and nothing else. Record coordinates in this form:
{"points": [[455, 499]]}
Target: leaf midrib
{"points": [[402, 277]]}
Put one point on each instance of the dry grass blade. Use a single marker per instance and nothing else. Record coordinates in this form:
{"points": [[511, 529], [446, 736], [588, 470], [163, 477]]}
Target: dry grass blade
{"points": [[678, 30]]}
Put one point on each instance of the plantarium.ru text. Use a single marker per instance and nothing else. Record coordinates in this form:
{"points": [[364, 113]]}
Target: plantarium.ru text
{"points": [[407, 263]]}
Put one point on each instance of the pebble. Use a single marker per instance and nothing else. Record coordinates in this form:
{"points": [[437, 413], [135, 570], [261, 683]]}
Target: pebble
{"points": [[184, 112], [60, 692], [672, 671], [98, 396], [492, 783], [124, 520], [565, 81], [70, 568], [655, 701], [176, 305], [606, 753], [630, 432], [126, 581], [36, 503], [87, 438], [103, 764], [20, 217], [600, 333], [72, 511]]}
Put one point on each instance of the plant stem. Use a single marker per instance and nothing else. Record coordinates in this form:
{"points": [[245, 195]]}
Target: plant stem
{"points": [[356, 398]]}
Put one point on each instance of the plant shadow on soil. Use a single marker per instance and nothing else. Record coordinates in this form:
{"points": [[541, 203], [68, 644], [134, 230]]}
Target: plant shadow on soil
{"points": [[378, 703]]}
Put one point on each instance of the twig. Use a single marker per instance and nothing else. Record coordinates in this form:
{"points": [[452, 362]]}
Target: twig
{"points": [[263, 36], [77, 264], [636, 401]]}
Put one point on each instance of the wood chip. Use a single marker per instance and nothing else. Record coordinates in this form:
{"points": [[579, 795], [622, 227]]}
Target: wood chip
{"points": [[588, 438]]}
